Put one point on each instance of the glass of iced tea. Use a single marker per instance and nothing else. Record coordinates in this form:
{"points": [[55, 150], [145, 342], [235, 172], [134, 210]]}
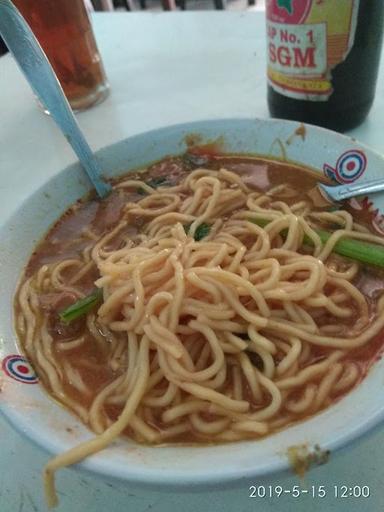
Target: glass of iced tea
{"points": [[65, 33]]}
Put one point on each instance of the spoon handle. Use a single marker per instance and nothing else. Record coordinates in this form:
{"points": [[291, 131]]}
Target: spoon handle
{"points": [[43, 80], [341, 192]]}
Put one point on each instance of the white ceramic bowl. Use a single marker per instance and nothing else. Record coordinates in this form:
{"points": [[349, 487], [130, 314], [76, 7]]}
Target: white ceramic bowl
{"points": [[30, 410]]}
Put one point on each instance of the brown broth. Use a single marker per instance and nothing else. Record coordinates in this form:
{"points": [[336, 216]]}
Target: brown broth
{"points": [[67, 238]]}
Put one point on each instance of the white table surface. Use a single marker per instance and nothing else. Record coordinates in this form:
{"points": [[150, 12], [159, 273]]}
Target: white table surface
{"points": [[163, 68]]}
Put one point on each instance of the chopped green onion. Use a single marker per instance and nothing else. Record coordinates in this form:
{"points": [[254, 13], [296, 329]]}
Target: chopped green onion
{"points": [[201, 231], [364, 252], [81, 307]]}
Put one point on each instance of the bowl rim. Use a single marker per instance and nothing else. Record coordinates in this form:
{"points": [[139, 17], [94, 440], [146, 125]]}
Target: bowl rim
{"points": [[170, 477]]}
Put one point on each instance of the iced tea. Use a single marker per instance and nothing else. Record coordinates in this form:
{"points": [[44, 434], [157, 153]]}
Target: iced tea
{"points": [[64, 31]]}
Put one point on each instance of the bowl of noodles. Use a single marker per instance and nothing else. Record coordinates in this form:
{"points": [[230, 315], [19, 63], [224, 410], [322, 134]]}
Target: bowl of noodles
{"points": [[209, 309]]}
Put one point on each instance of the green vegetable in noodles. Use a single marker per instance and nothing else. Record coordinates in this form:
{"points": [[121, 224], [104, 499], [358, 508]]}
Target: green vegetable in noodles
{"points": [[364, 252], [81, 307], [201, 231]]}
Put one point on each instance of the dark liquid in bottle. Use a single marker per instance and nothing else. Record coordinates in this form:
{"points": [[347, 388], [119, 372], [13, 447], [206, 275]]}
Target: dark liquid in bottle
{"points": [[354, 80]]}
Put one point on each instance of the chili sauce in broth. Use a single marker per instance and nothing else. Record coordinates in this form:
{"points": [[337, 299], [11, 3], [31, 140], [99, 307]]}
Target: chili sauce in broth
{"points": [[83, 223]]}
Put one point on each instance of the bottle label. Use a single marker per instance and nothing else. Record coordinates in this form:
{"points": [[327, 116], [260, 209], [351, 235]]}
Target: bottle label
{"points": [[306, 39]]}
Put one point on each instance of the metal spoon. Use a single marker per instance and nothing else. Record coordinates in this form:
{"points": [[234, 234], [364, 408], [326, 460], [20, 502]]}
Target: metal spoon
{"points": [[340, 192], [43, 80]]}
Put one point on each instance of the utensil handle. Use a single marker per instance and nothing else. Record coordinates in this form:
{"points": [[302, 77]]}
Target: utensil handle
{"points": [[34, 64], [341, 192]]}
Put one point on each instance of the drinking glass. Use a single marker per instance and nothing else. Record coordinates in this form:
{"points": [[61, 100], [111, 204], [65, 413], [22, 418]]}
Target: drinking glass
{"points": [[65, 33]]}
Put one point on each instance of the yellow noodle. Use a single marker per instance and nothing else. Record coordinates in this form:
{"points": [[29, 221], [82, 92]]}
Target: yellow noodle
{"points": [[214, 338]]}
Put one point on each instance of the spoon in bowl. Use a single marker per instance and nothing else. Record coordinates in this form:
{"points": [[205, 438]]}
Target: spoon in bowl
{"points": [[338, 193], [34, 64], [323, 195]]}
